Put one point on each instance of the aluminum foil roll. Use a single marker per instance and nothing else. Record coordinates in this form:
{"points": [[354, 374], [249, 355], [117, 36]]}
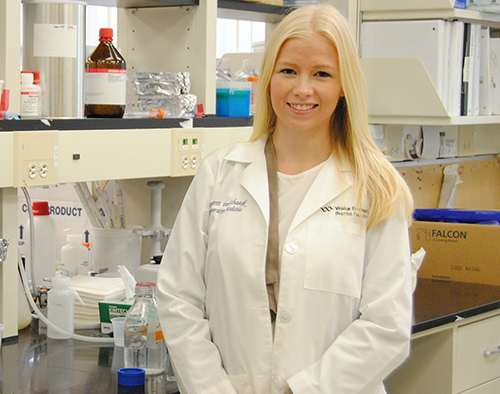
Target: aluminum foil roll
{"points": [[161, 83]]}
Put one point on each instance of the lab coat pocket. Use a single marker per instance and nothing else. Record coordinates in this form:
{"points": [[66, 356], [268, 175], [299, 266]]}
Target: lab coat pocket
{"points": [[334, 259], [241, 383]]}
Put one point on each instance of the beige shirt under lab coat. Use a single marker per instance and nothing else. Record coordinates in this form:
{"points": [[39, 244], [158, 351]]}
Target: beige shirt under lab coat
{"points": [[344, 312]]}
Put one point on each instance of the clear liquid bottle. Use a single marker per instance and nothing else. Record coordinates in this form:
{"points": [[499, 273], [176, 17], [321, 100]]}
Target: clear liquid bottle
{"points": [[223, 70], [105, 79], [74, 256], [144, 344]]}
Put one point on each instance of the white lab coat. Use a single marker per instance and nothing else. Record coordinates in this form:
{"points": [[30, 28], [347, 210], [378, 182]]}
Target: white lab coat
{"points": [[344, 312]]}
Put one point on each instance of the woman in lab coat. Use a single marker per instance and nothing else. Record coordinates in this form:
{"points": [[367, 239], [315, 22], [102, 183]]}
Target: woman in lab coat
{"points": [[327, 307]]}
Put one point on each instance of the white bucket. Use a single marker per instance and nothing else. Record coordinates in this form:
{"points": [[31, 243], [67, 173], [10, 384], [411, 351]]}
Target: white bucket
{"points": [[114, 247]]}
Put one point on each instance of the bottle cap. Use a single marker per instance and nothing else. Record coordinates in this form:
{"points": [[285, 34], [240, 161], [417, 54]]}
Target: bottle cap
{"points": [[106, 34], [41, 208], [131, 376], [36, 78], [61, 281], [145, 284], [26, 77]]}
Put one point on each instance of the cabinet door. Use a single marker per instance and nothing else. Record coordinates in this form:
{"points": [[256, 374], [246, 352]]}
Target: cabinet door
{"points": [[473, 365], [492, 387]]}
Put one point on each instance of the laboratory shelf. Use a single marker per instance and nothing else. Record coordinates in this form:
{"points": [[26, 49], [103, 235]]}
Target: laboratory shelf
{"points": [[423, 9], [252, 7], [143, 3], [114, 124]]}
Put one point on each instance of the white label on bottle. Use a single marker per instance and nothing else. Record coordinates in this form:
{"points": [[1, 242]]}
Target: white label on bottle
{"points": [[55, 40], [29, 103], [105, 86]]}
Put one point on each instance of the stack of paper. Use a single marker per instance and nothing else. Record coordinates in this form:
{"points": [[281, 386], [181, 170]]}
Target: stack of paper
{"points": [[93, 289]]}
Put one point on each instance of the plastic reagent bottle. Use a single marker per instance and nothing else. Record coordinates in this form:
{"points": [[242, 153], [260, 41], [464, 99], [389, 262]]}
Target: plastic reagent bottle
{"points": [[29, 97], [44, 260], [248, 73], [74, 256], [223, 70], [105, 79], [144, 344], [61, 307]]}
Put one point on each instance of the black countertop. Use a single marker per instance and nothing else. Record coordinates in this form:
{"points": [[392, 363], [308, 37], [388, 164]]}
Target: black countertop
{"points": [[437, 303]]}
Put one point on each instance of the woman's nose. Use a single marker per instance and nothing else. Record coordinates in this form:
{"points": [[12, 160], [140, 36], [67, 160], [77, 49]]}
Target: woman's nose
{"points": [[303, 86]]}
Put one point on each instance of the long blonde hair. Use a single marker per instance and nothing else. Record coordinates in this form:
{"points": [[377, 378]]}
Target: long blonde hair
{"points": [[377, 182]]}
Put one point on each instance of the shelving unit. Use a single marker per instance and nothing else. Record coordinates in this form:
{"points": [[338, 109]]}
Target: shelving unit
{"points": [[425, 9], [166, 35], [448, 359], [400, 90]]}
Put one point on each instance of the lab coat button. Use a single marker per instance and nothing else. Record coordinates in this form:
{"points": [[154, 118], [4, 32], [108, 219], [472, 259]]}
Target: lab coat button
{"points": [[285, 316], [276, 382], [291, 247]]}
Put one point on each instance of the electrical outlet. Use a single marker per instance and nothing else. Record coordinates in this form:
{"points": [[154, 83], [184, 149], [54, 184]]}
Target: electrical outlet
{"points": [[188, 149], [395, 137], [35, 158], [466, 140]]}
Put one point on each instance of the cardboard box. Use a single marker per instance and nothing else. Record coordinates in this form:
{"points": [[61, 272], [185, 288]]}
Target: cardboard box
{"points": [[458, 252], [110, 309]]}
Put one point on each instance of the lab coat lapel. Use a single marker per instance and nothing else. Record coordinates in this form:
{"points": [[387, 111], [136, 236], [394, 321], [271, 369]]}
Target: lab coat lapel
{"points": [[254, 176], [326, 187]]}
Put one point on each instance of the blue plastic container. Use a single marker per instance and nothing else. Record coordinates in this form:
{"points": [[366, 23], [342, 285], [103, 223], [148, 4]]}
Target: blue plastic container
{"points": [[233, 99]]}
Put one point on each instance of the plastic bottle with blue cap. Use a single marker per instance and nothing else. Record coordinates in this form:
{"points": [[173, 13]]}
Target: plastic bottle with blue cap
{"points": [[131, 381]]}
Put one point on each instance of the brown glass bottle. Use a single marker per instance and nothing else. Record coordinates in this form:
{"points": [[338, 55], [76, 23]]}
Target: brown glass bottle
{"points": [[105, 79]]}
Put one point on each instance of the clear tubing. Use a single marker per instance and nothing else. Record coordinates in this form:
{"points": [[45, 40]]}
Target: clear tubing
{"points": [[32, 238], [47, 321], [24, 282]]}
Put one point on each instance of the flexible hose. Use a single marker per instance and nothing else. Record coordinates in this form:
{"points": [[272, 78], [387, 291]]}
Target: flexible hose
{"points": [[32, 238], [28, 292], [47, 321]]}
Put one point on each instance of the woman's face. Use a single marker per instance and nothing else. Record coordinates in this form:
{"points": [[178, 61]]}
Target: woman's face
{"points": [[305, 85]]}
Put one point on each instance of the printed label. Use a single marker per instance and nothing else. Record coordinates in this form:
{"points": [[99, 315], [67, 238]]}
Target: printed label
{"points": [[55, 40], [105, 86]]}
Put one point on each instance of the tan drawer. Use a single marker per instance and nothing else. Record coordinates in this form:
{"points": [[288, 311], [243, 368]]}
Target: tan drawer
{"points": [[487, 388], [473, 366]]}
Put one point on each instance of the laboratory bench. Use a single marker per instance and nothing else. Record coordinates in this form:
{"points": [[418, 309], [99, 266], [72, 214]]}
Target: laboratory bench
{"points": [[37, 364], [209, 121]]}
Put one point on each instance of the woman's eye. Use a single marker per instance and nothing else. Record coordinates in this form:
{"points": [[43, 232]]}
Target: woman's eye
{"points": [[287, 71], [323, 74]]}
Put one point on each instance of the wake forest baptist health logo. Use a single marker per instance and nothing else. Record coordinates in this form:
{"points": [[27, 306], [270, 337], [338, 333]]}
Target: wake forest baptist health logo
{"points": [[342, 210], [429, 234]]}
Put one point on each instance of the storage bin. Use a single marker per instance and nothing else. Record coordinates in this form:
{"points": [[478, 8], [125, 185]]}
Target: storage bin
{"points": [[233, 99]]}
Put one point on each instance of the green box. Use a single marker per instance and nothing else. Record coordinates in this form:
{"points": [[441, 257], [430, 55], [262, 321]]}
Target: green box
{"points": [[110, 309]]}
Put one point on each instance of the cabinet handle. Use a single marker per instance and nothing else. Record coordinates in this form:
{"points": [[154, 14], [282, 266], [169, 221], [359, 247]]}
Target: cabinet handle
{"points": [[492, 352]]}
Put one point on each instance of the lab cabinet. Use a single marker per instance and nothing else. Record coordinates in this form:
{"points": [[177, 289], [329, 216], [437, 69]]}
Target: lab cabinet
{"points": [[448, 359], [452, 359]]}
